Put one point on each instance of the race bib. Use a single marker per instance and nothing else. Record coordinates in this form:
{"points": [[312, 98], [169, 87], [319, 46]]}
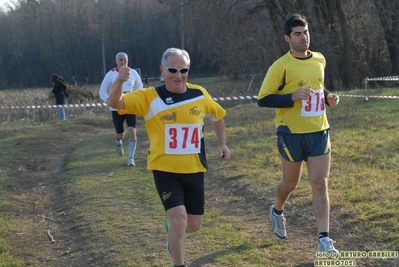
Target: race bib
{"points": [[182, 138], [315, 105]]}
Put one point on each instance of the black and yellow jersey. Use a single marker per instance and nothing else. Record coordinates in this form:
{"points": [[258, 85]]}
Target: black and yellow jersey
{"points": [[174, 125], [287, 75]]}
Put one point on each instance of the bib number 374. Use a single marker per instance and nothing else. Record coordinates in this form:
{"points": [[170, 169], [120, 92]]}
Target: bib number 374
{"points": [[314, 105], [182, 138]]}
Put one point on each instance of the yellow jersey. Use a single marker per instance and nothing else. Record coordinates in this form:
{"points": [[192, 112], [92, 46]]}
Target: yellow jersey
{"points": [[174, 125], [287, 75]]}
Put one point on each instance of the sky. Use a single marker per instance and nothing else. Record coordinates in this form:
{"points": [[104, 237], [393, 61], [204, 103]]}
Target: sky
{"points": [[2, 2]]}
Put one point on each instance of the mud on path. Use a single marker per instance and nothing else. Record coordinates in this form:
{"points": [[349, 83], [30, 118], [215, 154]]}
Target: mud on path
{"points": [[45, 232]]}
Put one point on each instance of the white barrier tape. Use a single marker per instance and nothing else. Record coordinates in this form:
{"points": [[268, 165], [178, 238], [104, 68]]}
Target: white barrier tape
{"points": [[372, 96], [235, 98], [56, 106], [105, 105], [227, 98], [383, 79]]}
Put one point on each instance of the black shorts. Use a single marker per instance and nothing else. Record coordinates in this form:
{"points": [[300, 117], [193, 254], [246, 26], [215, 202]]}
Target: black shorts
{"points": [[118, 121], [177, 189], [298, 147]]}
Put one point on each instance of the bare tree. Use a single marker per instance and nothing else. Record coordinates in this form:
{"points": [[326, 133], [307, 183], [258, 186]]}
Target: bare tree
{"points": [[359, 38], [388, 12]]}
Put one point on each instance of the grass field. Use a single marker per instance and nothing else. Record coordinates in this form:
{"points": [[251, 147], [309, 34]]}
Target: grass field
{"points": [[102, 213]]}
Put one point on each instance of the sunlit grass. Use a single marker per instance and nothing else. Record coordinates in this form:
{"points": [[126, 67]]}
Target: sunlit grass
{"points": [[6, 257]]}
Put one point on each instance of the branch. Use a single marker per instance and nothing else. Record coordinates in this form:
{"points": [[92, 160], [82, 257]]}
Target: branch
{"points": [[49, 219], [47, 231]]}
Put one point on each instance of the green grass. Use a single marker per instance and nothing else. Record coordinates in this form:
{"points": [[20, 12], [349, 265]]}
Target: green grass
{"points": [[5, 226], [123, 217], [6, 257]]}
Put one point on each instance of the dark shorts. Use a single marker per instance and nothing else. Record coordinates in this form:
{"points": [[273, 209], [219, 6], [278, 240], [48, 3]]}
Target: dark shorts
{"points": [[177, 189], [298, 147], [118, 121]]}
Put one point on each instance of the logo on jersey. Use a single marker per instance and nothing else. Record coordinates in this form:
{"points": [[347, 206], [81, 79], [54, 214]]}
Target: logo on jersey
{"points": [[169, 117], [169, 100], [301, 84], [195, 112]]}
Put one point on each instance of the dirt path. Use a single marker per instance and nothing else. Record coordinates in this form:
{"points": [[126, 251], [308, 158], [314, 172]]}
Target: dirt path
{"points": [[47, 233]]}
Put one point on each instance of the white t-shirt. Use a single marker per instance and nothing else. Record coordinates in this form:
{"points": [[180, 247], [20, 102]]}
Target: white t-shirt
{"points": [[130, 85]]}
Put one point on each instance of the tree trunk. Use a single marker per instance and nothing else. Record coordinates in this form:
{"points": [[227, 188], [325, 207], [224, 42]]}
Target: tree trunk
{"points": [[347, 56]]}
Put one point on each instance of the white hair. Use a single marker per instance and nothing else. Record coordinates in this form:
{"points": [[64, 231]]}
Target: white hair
{"points": [[123, 54], [174, 52]]}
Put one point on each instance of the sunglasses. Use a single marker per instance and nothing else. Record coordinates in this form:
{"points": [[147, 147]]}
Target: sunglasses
{"points": [[174, 70]]}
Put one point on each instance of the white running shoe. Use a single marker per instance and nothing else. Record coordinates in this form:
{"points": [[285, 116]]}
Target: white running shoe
{"points": [[278, 223], [130, 162], [119, 148], [326, 244]]}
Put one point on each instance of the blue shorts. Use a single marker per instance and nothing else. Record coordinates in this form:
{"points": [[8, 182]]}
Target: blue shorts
{"points": [[118, 121], [177, 189], [298, 147]]}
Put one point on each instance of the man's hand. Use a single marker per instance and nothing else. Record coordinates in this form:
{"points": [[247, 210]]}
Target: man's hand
{"points": [[332, 100], [115, 99], [224, 152], [124, 74], [302, 94]]}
